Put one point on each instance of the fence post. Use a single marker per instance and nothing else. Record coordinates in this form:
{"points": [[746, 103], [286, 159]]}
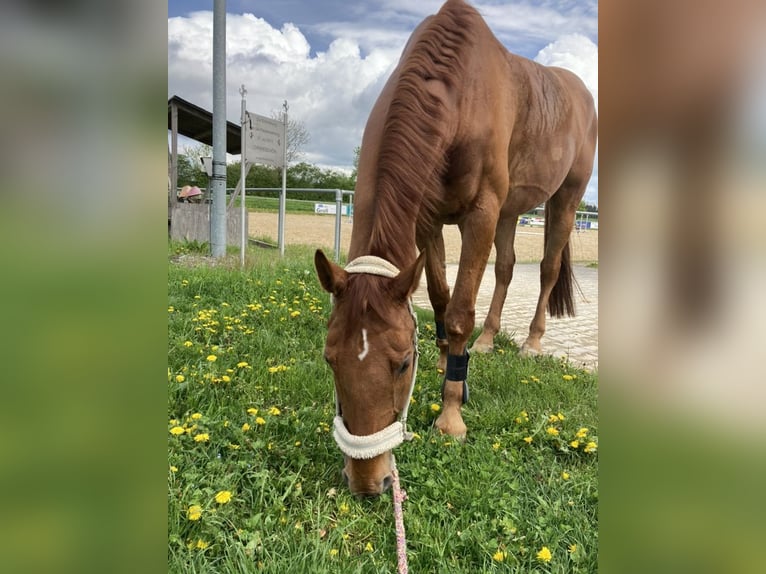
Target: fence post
{"points": [[338, 215]]}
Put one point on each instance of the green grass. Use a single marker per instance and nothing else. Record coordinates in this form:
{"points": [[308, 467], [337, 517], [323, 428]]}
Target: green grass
{"points": [[493, 496], [271, 204]]}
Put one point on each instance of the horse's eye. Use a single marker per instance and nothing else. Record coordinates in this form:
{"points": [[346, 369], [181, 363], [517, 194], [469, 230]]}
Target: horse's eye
{"points": [[404, 366]]}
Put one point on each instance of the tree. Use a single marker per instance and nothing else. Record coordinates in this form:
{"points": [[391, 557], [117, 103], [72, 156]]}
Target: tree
{"points": [[355, 172], [196, 153], [189, 173], [297, 136], [587, 207]]}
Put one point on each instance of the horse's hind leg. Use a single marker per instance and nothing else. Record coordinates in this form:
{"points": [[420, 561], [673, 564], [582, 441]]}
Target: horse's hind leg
{"points": [[438, 292], [555, 269], [504, 262]]}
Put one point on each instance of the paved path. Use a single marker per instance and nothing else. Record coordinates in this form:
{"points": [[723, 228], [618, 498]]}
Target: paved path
{"points": [[575, 337]]}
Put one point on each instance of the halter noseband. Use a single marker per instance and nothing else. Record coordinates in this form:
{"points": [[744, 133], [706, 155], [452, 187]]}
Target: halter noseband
{"points": [[369, 446]]}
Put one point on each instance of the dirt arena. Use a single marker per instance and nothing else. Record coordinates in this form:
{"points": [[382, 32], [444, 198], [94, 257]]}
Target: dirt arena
{"points": [[319, 230]]}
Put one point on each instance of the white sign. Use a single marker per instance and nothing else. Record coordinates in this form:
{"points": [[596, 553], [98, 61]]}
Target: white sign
{"points": [[265, 140], [330, 208]]}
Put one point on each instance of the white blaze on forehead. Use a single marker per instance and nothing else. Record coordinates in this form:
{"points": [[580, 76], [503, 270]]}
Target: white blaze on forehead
{"points": [[365, 346]]}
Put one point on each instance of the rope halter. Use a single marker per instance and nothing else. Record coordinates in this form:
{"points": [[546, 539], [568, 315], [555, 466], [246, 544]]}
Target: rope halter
{"points": [[369, 446]]}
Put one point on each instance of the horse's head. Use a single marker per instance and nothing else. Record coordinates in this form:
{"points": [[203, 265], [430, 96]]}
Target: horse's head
{"points": [[372, 349]]}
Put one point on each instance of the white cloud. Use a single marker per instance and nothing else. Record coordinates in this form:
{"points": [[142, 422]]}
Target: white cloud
{"points": [[332, 91], [578, 54]]}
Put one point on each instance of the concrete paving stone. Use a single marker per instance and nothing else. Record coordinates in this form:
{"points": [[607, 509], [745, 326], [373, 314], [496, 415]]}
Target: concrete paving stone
{"points": [[573, 337]]}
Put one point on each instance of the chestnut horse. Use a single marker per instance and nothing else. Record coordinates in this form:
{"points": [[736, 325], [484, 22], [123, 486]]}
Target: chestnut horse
{"points": [[463, 133]]}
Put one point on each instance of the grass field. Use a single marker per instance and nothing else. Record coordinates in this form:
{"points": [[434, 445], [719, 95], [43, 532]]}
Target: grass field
{"points": [[254, 475], [271, 204]]}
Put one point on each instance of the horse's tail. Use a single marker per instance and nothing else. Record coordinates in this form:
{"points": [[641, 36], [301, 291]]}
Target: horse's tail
{"points": [[561, 300]]}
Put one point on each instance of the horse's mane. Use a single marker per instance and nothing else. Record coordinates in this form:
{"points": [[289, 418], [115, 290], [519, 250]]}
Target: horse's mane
{"points": [[412, 156]]}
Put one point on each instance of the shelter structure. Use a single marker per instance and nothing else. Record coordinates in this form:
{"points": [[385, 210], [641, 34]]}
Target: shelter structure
{"points": [[196, 123], [191, 222]]}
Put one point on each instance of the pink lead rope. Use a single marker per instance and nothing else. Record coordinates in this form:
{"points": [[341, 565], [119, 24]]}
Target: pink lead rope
{"points": [[399, 496]]}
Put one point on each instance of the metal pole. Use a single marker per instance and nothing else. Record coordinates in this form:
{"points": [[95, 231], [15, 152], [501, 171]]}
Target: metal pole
{"points": [[218, 183], [283, 195], [338, 215], [243, 176]]}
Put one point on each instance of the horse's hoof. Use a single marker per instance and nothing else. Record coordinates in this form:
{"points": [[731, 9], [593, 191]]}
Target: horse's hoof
{"points": [[451, 425], [528, 351], [479, 347]]}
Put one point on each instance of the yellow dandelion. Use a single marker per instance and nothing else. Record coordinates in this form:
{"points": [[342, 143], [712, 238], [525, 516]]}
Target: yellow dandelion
{"points": [[575, 444], [528, 439], [245, 427], [333, 552], [180, 378], [275, 411], [552, 431], [590, 447], [202, 437], [194, 512], [176, 430], [243, 364], [435, 408], [173, 469], [498, 556], [212, 358], [226, 379], [295, 314], [223, 497], [201, 544], [297, 443], [561, 417], [188, 343], [553, 419], [260, 421], [196, 416], [524, 382], [171, 309], [572, 548], [495, 446], [567, 377], [582, 433], [252, 411], [233, 446], [368, 547], [544, 555], [565, 475], [343, 508]]}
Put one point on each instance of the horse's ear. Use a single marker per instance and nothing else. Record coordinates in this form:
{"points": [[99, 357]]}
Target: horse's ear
{"points": [[332, 277], [408, 279]]}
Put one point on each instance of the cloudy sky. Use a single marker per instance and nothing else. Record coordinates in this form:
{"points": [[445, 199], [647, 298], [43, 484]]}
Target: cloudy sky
{"points": [[330, 58]]}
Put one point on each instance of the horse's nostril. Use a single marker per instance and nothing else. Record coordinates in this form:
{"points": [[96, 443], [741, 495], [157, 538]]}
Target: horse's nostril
{"points": [[387, 483]]}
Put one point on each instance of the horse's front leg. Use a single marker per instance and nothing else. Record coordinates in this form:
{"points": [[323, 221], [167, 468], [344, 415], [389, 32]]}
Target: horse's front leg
{"points": [[477, 230], [438, 292]]}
